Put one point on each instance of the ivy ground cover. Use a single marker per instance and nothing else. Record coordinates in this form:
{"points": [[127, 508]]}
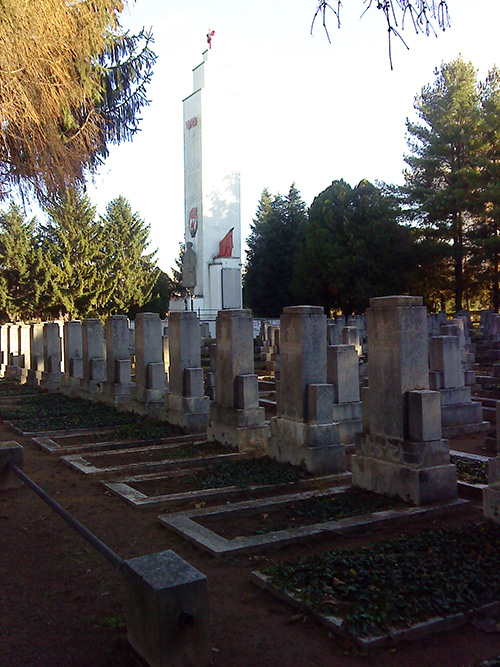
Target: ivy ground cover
{"points": [[398, 583]]}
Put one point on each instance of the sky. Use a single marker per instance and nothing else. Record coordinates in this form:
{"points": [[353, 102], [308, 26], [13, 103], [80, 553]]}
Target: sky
{"points": [[312, 111]]}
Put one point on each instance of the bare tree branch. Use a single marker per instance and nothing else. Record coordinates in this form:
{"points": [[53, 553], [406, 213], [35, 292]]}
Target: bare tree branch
{"points": [[423, 15]]}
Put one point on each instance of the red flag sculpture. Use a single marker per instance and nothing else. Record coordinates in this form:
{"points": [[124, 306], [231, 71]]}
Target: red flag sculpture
{"points": [[226, 245]]}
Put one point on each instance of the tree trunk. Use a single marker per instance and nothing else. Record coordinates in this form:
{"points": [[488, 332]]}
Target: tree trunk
{"points": [[496, 291], [459, 263]]}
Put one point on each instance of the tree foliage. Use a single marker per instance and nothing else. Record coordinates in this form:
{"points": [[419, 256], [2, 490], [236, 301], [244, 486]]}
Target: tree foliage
{"points": [[276, 235], [452, 184], [16, 258], [441, 175], [71, 83], [74, 265], [354, 249], [129, 271]]}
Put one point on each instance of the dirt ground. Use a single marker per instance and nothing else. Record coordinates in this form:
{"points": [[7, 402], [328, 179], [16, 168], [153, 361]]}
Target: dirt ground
{"points": [[61, 602]]}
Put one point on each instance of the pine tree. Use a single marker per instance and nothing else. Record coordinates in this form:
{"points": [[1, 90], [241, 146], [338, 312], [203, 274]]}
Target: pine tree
{"points": [[485, 236], [70, 83], [129, 272], [72, 239], [442, 177], [276, 235], [16, 251]]}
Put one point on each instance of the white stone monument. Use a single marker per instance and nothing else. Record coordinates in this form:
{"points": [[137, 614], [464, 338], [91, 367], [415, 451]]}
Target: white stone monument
{"points": [[212, 125]]}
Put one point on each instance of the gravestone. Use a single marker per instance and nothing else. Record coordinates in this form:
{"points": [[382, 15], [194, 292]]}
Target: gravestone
{"points": [[94, 365], [459, 414], [36, 354], [400, 451], [148, 392], [303, 430], [186, 404], [235, 416], [52, 356], [118, 383], [73, 357]]}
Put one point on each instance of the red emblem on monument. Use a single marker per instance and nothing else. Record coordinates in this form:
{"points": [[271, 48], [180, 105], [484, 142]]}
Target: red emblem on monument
{"points": [[193, 221]]}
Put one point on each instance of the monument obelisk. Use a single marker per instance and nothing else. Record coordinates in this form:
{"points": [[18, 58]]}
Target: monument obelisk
{"points": [[212, 188]]}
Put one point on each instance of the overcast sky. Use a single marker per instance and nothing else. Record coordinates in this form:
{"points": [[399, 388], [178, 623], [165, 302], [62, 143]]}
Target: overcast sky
{"points": [[312, 112]]}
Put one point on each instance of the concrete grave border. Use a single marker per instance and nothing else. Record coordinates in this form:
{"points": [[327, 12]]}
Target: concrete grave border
{"points": [[49, 445], [123, 489], [394, 635], [467, 489], [184, 523], [80, 461]]}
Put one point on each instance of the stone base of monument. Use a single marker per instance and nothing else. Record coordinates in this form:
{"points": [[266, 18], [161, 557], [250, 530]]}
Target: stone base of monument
{"points": [[70, 386], [348, 418], [491, 502], [241, 428], [34, 378], [416, 471], [14, 373], [50, 381], [115, 394], [90, 389], [191, 413], [166, 602], [317, 446], [491, 493], [148, 402], [10, 451]]}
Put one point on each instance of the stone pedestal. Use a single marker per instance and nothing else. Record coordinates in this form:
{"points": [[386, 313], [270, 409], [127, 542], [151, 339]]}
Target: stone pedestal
{"points": [[94, 364], [14, 359], [51, 374], [4, 348], [166, 603], [303, 430], [118, 384], [459, 414], [400, 451], [36, 355], [147, 395], [73, 358], [186, 404], [343, 375], [235, 417]]}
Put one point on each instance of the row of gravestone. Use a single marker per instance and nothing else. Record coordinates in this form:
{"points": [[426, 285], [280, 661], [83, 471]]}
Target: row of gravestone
{"points": [[400, 449]]}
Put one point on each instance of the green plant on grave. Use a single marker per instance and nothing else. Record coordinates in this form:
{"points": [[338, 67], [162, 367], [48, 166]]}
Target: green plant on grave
{"points": [[352, 502], [248, 472], [57, 412], [400, 582], [470, 470]]}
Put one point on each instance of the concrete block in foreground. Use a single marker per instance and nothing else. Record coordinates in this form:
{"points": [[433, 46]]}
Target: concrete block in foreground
{"points": [[166, 602]]}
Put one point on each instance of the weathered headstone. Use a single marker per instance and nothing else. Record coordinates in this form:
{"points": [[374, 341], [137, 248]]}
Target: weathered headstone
{"points": [[303, 430], [186, 404], [235, 417], [94, 365], [36, 354], [73, 357], [459, 414], [118, 383], [148, 392], [400, 451], [51, 374], [343, 374]]}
